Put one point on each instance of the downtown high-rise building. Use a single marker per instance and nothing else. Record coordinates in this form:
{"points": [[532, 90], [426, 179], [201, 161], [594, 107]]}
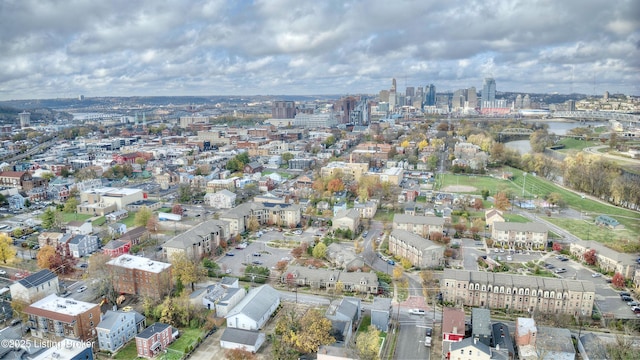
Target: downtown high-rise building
{"points": [[430, 95], [489, 90], [472, 98]]}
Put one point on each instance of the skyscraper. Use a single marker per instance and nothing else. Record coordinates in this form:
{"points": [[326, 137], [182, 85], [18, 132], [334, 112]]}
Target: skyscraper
{"points": [[472, 98], [430, 95], [393, 84], [489, 90], [25, 119]]}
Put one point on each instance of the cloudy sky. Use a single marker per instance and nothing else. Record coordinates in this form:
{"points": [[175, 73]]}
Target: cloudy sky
{"points": [[66, 48]]}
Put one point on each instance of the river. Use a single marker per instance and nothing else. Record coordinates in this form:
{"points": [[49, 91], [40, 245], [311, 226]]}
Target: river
{"points": [[555, 127]]}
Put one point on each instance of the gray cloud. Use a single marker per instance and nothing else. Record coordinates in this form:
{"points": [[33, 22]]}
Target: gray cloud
{"points": [[65, 48]]}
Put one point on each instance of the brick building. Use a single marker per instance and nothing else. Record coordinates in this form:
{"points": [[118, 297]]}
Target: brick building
{"points": [[57, 317], [140, 276]]}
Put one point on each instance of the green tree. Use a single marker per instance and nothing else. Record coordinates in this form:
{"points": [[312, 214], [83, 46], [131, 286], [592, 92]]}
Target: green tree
{"points": [[142, 216], [187, 270], [368, 344], [7, 251], [185, 193], [287, 156], [50, 218], [319, 251], [315, 331], [71, 205], [100, 277]]}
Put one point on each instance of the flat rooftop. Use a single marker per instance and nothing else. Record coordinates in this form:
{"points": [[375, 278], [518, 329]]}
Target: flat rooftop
{"points": [[138, 262], [66, 306]]}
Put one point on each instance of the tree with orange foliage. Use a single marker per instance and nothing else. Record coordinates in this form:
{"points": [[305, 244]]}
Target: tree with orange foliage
{"points": [[590, 257], [501, 201], [335, 185], [617, 281]]}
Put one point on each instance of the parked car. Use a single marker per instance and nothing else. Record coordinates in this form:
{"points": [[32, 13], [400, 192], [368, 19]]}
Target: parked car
{"points": [[417, 312], [636, 309], [624, 293], [81, 289], [596, 275], [257, 254], [2, 272], [230, 254], [626, 298], [391, 262], [257, 262], [560, 270], [633, 303]]}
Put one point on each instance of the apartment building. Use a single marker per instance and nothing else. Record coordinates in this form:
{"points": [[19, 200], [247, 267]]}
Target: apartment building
{"points": [[141, 276], [422, 253], [606, 259], [419, 225], [517, 292], [532, 235], [55, 316]]}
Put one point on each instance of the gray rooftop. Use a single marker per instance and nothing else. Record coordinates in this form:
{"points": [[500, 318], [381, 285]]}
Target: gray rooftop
{"points": [[520, 227], [112, 317], [481, 322], [256, 303], [414, 240], [381, 304], [239, 336], [418, 220], [38, 278]]}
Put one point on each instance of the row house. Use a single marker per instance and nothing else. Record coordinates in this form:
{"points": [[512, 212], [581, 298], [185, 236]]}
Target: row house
{"points": [[517, 292], [221, 184], [21, 180], [153, 340], [115, 248], [360, 282], [367, 210], [63, 317], [140, 276], [419, 225], [422, 253], [514, 235], [606, 259], [58, 193]]}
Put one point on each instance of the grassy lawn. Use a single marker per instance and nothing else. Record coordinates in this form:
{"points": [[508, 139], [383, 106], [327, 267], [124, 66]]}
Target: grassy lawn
{"points": [[99, 221], [283, 174], [384, 215], [187, 337], [66, 217], [478, 182], [515, 218], [616, 239], [364, 325], [128, 352], [129, 221], [575, 144]]}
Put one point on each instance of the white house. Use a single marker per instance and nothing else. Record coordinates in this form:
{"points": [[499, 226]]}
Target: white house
{"points": [[242, 339], [255, 309], [35, 287], [223, 199]]}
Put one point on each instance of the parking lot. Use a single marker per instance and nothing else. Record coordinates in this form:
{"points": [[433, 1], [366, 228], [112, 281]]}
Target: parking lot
{"points": [[268, 256]]}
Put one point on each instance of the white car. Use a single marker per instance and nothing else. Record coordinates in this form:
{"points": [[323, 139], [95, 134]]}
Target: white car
{"points": [[417, 312], [2, 272], [81, 289]]}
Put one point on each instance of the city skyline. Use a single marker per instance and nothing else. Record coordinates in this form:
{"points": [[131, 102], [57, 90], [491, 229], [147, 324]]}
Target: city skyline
{"points": [[200, 48]]}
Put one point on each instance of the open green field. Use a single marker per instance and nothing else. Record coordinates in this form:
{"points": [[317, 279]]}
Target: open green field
{"points": [[537, 187], [620, 240], [571, 144], [66, 217], [492, 184], [515, 218]]}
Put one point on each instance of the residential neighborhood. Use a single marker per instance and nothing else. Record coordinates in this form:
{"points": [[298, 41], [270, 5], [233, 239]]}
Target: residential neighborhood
{"points": [[315, 233]]}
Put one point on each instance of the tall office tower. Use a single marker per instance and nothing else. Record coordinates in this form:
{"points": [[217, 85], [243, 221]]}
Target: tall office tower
{"points": [[384, 96], [393, 99], [606, 95], [283, 110], [393, 85], [472, 98], [518, 103], [430, 95], [344, 107], [489, 90], [25, 119], [458, 99], [526, 102], [410, 91]]}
